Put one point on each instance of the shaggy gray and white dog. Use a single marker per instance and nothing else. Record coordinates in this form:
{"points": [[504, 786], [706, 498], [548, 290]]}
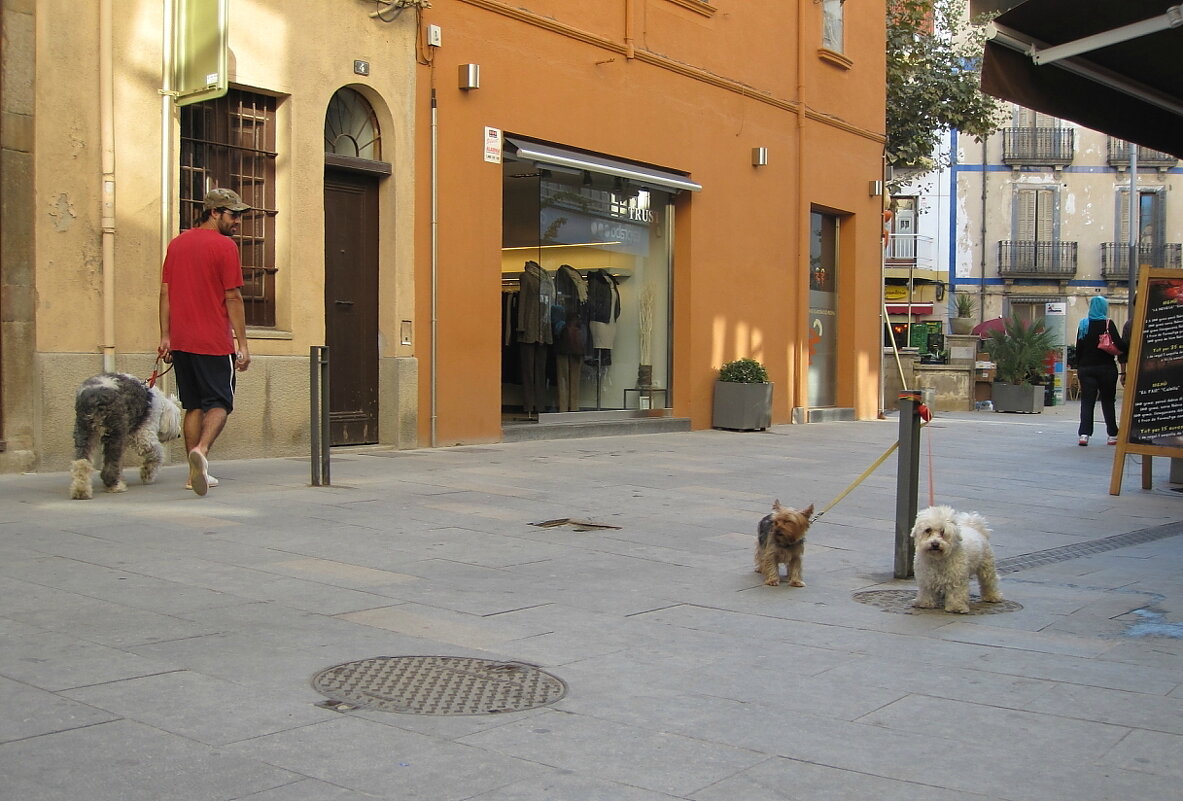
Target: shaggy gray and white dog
{"points": [[122, 412]]}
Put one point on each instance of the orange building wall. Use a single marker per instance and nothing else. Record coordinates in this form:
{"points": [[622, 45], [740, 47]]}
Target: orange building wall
{"points": [[703, 86]]}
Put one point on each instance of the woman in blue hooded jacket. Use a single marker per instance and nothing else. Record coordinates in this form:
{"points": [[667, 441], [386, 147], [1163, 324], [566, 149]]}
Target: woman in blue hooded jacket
{"points": [[1097, 370]]}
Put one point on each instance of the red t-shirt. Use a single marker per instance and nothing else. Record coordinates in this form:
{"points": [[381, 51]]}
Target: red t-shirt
{"points": [[201, 264]]}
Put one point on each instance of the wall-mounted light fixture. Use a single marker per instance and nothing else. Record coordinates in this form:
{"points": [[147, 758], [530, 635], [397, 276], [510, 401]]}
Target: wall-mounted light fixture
{"points": [[470, 76], [875, 188], [759, 156]]}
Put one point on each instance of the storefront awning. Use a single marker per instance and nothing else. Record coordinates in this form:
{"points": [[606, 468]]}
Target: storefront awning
{"points": [[1115, 66], [575, 159]]}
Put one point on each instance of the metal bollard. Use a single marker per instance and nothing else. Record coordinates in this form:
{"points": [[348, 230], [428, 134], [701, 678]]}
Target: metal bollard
{"points": [[907, 481], [318, 383]]}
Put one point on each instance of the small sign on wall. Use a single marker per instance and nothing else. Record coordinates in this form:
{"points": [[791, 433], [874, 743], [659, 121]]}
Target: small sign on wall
{"points": [[493, 145]]}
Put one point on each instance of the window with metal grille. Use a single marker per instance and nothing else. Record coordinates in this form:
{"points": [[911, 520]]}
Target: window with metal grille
{"points": [[230, 142]]}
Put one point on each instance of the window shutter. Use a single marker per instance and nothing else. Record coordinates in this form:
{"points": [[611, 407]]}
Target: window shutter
{"points": [[1024, 215], [1045, 210]]}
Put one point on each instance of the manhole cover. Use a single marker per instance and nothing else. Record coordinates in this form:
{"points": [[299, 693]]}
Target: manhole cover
{"points": [[900, 602], [439, 685]]}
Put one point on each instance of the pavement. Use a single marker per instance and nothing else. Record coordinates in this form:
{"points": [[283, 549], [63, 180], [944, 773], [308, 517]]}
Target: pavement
{"points": [[159, 646]]}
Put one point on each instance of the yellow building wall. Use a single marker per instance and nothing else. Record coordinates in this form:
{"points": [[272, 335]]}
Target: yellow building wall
{"points": [[302, 58]]}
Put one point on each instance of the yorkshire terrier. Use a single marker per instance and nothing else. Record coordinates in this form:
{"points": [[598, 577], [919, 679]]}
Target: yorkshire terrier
{"points": [[782, 541]]}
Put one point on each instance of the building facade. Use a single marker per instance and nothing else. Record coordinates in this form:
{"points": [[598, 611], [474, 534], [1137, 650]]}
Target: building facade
{"points": [[678, 156], [492, 213], [1037, 214], [1042, 215]]}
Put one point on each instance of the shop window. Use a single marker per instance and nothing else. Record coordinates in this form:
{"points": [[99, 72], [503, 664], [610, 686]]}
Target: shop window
{"points": [[230, 142], [585, 278]]}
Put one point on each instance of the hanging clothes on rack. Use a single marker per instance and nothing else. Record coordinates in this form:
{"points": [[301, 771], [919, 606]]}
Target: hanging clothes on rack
{"points": [[569, 318], [535, 334]]}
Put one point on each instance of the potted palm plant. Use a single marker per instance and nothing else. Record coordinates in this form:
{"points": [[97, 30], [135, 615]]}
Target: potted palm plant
{"points": [[743, 397], [965, 306], [1019, 352]]}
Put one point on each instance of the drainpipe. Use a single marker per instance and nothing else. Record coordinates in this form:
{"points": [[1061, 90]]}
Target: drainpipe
{"points": [[800, 382], [629, 51], [1134, 209], [982, 257], [434, 259], [167, 95], [107, 201]]}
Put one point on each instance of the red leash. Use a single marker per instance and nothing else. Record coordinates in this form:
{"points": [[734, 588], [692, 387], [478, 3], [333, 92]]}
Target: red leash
{"points": [[156, 372], [926, 416]]}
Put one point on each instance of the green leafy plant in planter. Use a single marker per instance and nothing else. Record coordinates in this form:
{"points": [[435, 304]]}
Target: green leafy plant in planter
{"points": [[743, 397], [965, 305], [1019, 352], [743, 371]]}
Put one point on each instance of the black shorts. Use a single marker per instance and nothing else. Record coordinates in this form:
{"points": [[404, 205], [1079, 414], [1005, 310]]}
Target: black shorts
{"points": [[204, 381]]}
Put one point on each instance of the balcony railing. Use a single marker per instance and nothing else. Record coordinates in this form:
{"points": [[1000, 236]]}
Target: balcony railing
{"points": [[1036, 259], [1038, 146], [1115, 258], [910, 250], [1119, 156]]}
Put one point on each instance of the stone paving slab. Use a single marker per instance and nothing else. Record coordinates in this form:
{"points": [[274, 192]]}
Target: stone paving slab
{"points": [[158, 645]]}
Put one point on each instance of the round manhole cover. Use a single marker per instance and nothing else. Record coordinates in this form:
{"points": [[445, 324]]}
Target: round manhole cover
{"points": [[900, 602], [439, 685]]}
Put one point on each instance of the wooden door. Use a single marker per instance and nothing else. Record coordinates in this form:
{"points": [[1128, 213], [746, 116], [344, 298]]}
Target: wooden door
{"points": [[351, 305]]}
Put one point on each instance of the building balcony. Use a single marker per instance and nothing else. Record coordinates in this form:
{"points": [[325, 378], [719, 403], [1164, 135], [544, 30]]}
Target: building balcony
{"points": [[1041, 147], [1037, 259], [1115, 258], [1119, 156], [910, 251]]}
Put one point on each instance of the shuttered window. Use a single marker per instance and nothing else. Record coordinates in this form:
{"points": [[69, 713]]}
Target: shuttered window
{"points": [[1035, 215]]}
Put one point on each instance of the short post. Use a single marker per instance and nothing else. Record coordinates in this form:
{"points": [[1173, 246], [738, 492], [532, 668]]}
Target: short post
{"points": [[907, 481], [318, 383]]}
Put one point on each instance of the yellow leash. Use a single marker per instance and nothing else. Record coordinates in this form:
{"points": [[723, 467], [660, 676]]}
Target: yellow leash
{"points": [[868, 472]]}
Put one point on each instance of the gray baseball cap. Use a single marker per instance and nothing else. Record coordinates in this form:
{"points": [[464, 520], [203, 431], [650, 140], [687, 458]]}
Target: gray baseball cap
{"points": [[224, 199]]}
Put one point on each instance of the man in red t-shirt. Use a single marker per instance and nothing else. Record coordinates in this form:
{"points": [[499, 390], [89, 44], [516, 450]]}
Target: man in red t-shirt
{"points": [[201, 319]]}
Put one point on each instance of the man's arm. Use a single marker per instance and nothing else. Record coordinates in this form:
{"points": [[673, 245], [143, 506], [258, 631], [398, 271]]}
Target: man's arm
{"points": [[237, 312], [164, 348]]}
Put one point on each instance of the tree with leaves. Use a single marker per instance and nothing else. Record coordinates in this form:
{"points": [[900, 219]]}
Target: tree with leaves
{"points": [[934, 58]]}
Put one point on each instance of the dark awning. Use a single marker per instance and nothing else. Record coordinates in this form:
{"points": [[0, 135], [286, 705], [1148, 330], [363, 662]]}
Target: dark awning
{"points": [[1115, 66]]}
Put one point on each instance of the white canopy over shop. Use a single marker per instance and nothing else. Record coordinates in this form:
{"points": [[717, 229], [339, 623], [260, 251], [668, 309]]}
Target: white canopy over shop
{"points": [[642, 175]]}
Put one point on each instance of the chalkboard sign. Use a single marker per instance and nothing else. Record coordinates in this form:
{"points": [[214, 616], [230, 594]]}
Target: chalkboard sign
{"points": [[1152, 412]]}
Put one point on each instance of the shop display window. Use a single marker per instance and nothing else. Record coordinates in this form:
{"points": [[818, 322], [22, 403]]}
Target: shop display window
{"points": [[585, 283]]}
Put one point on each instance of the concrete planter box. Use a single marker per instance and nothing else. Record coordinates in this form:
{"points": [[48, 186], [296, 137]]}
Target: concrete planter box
{"points": [[961, 325], [1024, 398], [742, 407]]}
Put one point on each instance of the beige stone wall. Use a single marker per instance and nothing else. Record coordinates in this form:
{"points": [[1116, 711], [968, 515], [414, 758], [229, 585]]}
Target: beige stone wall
{"points": [[57, 302], [271, 408], [17, 276]]}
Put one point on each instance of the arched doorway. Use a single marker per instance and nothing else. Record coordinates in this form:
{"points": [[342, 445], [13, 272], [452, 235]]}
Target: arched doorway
{"points": [[353, 170]]}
